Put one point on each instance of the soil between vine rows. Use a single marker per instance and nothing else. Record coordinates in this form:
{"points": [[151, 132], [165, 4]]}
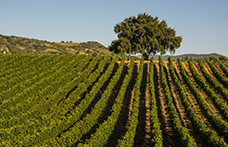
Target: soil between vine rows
{"points": [[143, 131]]}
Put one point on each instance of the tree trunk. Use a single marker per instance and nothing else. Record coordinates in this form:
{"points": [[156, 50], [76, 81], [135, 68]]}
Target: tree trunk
{"points": [[146, 57]]}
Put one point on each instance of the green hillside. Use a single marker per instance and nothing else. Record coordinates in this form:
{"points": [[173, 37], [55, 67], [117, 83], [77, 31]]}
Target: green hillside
{"points": [[21, 45]]}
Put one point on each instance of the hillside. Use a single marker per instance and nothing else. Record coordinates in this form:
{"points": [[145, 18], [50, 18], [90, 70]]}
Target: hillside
{"points": [[21, 45], [193, 56], [79, 100]]}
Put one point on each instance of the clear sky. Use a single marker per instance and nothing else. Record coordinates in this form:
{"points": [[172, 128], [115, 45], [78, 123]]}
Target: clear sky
{"points": [[203, 24]]}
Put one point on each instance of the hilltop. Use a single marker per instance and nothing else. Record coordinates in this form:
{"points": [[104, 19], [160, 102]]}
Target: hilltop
{"points": [[194, 56], [174, 57], [21, 45]]}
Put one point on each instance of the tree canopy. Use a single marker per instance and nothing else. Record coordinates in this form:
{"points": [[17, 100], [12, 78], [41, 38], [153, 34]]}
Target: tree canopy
{"points": [[144, 34]]}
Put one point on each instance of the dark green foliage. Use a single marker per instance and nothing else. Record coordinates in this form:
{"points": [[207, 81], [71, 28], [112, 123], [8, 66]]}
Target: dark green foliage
{"points": [[209, 137], [220, 126], [156, 132], [186, 58], [223, 58], [217, 102], [180, 132], [217, 74], [222, 66], [128, 139], [75, 133], [64, 104], [100, 137], [144, 34], [217, 86]]}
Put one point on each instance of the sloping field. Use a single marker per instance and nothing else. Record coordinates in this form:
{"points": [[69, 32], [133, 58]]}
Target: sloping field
{"points": [[79, 100]]}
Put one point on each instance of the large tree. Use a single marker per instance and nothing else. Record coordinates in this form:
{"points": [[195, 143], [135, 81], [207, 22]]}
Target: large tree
{"points": [[144, 34]]}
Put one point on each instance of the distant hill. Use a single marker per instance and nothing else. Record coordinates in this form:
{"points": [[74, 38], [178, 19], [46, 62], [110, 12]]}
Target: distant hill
{"points": [[194, 56], [21, 45]]}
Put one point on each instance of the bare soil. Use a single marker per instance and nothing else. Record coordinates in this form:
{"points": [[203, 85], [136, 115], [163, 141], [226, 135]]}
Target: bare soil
{"points": [[143, 137], [219, 69], [180, 108], [203, 94], [143, 131], [190, 97], [167, 132], [216, 93], [121, 125]]}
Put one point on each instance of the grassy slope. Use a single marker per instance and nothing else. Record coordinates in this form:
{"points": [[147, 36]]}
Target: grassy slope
{"points": [[20, 45]]}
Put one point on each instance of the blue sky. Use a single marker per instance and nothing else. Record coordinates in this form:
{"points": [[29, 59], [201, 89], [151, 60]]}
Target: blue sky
{"points": [[201, 23]]}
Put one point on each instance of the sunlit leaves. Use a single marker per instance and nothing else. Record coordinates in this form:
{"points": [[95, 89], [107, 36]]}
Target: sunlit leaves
{"points": [[146, 35]]}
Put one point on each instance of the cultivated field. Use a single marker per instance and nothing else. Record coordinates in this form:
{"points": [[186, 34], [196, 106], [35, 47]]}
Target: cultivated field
{"points": [[79, 100]]}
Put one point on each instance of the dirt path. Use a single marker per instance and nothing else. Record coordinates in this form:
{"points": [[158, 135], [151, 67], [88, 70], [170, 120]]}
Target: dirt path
{"points": [[180, 108], [167, 132], [196, 66], [121, 125], [220, 70], [98, 94], [226, 64], [147, 101], [190, 97], [136, 69], [208, 69], [203, 94], [143, 137], [110, 101]]}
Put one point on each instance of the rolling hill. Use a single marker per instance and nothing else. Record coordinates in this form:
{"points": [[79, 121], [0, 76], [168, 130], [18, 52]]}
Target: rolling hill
{"points": [[193, 56], [21, 45]]}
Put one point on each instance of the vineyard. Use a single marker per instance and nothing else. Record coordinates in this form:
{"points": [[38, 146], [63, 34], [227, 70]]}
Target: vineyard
{"points": [[79, 100]]}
